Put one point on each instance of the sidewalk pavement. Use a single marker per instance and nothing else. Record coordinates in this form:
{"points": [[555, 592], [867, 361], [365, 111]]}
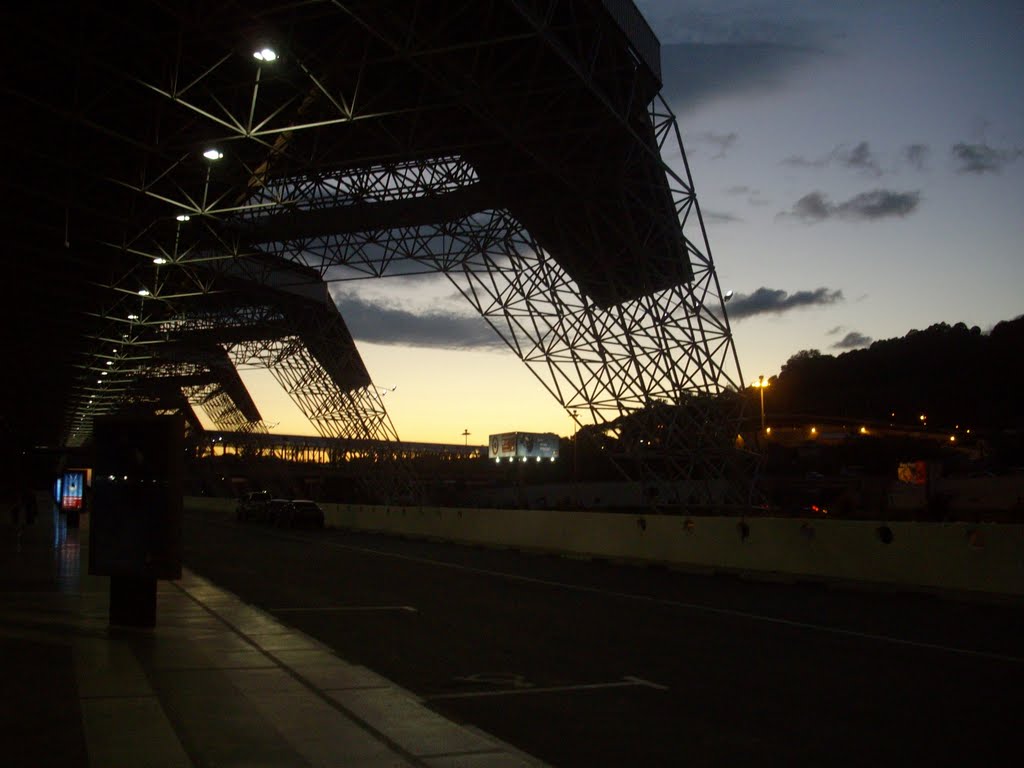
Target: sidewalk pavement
{"points": [[217, 682]]}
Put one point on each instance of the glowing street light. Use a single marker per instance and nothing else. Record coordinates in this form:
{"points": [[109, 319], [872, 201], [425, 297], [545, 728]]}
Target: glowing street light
{"points": [[213, 154], [575, 443], [265, 54], [761, 384]]}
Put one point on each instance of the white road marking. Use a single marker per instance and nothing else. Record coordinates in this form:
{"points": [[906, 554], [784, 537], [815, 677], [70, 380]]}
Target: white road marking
{"points": [[627, 682], [490, 678], [331, 608], [674, 603], [694, 606], [646, 683]]}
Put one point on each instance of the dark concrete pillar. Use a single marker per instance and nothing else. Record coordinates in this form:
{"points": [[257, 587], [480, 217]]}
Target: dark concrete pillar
{"points": [[133, 601]]}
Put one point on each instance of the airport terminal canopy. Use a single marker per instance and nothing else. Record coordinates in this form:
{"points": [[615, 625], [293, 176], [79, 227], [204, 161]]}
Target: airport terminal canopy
{"points": [[184, 180]]}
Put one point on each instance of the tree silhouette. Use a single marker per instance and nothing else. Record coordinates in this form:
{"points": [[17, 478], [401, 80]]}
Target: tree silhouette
{"points": [[955, 375]]}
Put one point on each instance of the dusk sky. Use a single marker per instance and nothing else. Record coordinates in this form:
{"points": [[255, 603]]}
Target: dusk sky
{"points": [[860, 167]]}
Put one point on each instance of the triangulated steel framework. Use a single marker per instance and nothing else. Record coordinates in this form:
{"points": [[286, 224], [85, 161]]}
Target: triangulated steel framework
{"points": [[515, 146], [671, 347]]}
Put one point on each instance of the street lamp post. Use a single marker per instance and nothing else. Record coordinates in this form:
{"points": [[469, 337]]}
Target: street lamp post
{"points": [[761, 384], [575, 443]]}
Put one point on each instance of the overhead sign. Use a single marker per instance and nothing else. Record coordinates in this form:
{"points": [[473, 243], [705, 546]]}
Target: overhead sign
{"points": [[523, 445]]}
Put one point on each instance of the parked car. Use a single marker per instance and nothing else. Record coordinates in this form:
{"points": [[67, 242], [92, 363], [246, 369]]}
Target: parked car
{"points": [[252, 506], [275, 511], [299, 513]]}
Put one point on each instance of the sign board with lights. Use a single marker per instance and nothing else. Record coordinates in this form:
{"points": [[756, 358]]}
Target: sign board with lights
{"points": [[523, 446], [72, 490], [136, 522], [913, 472]]}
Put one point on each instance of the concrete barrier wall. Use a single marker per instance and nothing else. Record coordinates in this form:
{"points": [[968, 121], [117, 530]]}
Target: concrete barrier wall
{"points": [[986, 557], [209, 504]]}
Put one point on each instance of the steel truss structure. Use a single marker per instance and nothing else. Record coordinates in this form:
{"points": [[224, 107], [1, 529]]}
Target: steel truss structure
{"points": [[671, 347], [516, 147]]}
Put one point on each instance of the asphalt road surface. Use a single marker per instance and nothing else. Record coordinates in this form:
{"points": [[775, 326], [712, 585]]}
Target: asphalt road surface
{"points": [[583, 663]]}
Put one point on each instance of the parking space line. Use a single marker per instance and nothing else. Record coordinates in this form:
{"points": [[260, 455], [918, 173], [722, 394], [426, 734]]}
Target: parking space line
{"points": [[627, 682], [646, 683], [870, 636], [334, 608]]}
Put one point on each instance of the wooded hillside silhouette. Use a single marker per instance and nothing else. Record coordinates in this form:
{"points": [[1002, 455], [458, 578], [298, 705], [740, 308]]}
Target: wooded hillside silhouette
{"points": [[952, 374]]}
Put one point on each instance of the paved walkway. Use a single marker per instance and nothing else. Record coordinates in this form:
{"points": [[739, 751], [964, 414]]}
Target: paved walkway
{"points": [[216, 683]]}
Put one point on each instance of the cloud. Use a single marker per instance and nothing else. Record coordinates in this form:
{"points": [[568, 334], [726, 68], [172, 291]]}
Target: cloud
{"points": [[722, 141], [917, 155], [775, 301], [879, 204], [417, 294], [377, 324], [799, 161], [867, 206], [860, 158], [811, 207], [834, 331], [981, 158], [852, 340], [720, 217], [719, 52], [678, 23], [753, 195], [696, 73]]}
